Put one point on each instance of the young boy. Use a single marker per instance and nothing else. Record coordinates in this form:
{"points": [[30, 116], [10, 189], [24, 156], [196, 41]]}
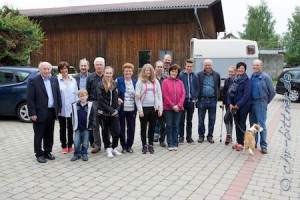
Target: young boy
{"points": [[83, 120]]}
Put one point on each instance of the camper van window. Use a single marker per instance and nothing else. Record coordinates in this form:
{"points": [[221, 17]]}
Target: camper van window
{"points": [[144, 57], [250, 49]]}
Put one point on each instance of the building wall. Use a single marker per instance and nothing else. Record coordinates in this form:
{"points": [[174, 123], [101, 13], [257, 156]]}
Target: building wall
{"points": [[118, 37]]}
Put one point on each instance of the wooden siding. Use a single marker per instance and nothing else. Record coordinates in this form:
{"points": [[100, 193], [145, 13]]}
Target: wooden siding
{"points": [[119, 36]]}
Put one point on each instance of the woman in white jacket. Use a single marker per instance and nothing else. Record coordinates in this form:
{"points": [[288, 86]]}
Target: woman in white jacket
{"points": [[149, 104]]}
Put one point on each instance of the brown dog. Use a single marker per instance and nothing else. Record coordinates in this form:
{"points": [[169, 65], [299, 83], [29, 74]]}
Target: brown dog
{"points": [[249, 140]]}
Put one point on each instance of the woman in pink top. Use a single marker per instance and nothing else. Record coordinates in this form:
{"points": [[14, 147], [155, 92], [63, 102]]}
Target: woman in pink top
{"points": [[173, 95]]}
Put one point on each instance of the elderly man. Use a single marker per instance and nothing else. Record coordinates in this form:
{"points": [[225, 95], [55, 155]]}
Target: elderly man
{"points": [[209, 86], [262, 94], [92, 82], [44, 106]]}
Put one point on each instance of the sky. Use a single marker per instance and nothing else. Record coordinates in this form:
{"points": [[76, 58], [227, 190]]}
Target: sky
{"points": [[234, 11]]}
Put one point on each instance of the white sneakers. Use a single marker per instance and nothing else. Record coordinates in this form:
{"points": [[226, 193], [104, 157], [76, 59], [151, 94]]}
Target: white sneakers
{"points": [[110, 152]]}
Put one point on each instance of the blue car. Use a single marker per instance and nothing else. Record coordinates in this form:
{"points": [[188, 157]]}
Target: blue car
{"points": [[13, 91]]}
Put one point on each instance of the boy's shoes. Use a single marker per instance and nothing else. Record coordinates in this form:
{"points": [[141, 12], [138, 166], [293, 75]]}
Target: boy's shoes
{"points": [[85, 157], [96, 150], [144, 149], [181, 140], [71, 150], [115, 152], [175, 148], [75, 158], [109, 153], [64, 150], [170, 148], [151, 149]]}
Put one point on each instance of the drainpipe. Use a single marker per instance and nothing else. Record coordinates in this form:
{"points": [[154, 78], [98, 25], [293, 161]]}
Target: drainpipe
{"points": [[199, 23]]}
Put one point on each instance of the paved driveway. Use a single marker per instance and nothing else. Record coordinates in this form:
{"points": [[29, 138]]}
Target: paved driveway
{"points": [[200, 171]]}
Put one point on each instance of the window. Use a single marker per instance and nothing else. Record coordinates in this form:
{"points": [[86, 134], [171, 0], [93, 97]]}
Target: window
{"points": [[250, 49], [144, 57], [21, 76], [162, 53], [6, 76]]}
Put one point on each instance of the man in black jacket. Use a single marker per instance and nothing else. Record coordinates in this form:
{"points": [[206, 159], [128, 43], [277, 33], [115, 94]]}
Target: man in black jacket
{"points": [[44, 106]]}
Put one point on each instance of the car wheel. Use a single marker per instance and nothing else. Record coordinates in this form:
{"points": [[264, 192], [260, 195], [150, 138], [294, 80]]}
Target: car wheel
{"points": [[294, 95], [22, 113]]}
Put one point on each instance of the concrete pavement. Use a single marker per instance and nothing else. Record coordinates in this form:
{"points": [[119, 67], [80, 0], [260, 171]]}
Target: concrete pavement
{"points": [[200, 171]]}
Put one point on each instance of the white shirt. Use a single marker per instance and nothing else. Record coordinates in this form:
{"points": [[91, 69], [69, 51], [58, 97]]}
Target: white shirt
{"points": [[68, 93]]}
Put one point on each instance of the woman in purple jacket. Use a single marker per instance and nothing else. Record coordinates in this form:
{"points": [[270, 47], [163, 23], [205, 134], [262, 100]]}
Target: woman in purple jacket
{"points": [[173, 95], [239, 101]]}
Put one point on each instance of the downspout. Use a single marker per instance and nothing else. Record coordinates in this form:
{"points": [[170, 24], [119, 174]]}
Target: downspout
{"points": [[199, 23]]}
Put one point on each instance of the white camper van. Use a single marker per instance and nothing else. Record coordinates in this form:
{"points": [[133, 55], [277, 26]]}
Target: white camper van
{"points": [[223, 53]]}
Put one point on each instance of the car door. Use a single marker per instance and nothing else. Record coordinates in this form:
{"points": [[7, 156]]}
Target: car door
{"points": [[7, 82]]}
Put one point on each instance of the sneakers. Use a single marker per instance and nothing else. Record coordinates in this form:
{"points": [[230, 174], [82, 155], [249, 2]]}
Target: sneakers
{"points": [[96, 150], [239, 147], [130, 150], [201, 140], [71, 150], [190, 141], [64, 150], [85, 157], [115, 152], [170, 148], [264, 151], [162, 144], [109, 153], [151, 149], [181, 140], [210, 140], [145, 149], [175, 148], [75, 158], [156, 137], [228, 139], [124, 150], [234, 146]]}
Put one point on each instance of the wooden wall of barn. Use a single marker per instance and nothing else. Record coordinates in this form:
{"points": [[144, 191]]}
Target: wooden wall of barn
{"points": [[119, 36]]}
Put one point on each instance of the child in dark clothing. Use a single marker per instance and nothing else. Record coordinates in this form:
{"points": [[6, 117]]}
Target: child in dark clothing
{"points": [[83, 120]]}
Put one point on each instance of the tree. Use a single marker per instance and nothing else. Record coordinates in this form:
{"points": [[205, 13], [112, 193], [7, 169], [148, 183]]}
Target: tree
{"points": [[260, 27], [19, 37], [292, 38]]}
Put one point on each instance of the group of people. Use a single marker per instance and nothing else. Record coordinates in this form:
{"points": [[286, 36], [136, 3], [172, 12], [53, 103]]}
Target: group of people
{"points": [[164, 97]]}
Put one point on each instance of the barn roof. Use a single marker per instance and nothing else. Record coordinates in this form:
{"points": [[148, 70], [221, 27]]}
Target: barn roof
{"points": [[120, 7]]}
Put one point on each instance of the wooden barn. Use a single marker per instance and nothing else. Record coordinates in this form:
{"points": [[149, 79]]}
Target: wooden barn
{"points": [[126, 32]]}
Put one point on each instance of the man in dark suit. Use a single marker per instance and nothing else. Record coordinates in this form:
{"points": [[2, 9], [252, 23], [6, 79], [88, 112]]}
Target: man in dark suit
{"points": [[44, 106], [209, 88]]}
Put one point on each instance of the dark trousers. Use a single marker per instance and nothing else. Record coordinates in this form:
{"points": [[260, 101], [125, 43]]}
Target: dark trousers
{"points": [[128, 117], [65, 124], [206, 105], [240, 123], [110, 127], [149, 118], [187, 114], [43, 132], [228, 120], [160, 127]]}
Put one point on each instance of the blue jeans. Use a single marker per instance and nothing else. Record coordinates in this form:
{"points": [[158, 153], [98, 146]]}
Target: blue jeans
{"points": [[189, 108], [81, 142], [258, 115], [206, 104], [172, 120]]}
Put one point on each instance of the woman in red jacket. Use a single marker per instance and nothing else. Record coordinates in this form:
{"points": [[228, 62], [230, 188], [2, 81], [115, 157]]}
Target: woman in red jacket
{"points": [[173, 95]]}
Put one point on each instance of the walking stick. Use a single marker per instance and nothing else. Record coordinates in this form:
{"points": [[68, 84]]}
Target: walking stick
{"points": [[222, 122]]}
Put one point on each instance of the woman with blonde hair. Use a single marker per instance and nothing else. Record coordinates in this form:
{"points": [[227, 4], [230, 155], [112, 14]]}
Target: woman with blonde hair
{"points": [[149, 104], [107, 98]]}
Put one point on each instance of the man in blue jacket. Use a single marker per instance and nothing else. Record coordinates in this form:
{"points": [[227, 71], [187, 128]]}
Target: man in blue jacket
{"points": [[209, 87], [262, 94], [189, 79]]}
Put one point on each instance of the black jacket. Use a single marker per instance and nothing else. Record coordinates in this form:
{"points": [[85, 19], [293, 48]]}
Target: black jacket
{"points": [[107, 101], [225, 89], [91, 86]]}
